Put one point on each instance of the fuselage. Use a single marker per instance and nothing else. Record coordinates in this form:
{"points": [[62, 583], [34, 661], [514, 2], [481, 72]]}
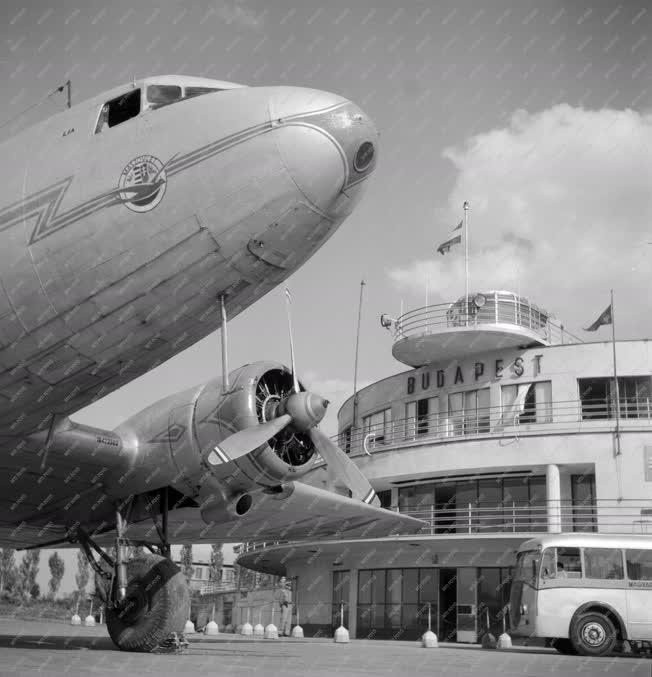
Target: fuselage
{"points": [[124, 218]]}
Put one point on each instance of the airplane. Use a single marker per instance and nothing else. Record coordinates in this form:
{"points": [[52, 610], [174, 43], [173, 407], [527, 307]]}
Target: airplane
{"points": [[131, 226]]}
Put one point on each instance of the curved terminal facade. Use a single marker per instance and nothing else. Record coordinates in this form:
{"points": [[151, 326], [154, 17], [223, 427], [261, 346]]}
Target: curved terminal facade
{"points": [[504, 426]]}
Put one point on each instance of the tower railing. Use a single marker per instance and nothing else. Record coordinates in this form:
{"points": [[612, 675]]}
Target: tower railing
{"points": [[499, 308]]}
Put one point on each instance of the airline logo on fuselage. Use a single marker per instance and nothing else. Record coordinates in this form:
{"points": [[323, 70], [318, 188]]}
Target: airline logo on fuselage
{"points": [[142, 183]]}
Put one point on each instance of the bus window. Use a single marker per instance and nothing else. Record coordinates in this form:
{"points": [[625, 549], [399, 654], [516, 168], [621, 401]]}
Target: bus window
{"points": [[119, 110], [527, 563], [561, 563], [639, 565], [569, 562], [603, 563]]}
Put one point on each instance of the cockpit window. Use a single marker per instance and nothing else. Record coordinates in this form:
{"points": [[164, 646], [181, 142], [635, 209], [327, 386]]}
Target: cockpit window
{"points": [[198, 91], [162, 95], [119, 110]]}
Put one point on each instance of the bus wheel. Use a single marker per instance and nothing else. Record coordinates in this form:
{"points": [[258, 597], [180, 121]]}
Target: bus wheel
{"points": [[564, 646], [593, 634]]}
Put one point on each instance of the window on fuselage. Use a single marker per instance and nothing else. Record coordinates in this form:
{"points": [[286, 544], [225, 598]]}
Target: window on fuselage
{"points": [[163, 95], [119, 110], [190, 92]]}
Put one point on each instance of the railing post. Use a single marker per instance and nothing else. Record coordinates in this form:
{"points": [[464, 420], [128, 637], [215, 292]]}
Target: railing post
{"points": [[432, 519], [513, 517], [469, 518]]}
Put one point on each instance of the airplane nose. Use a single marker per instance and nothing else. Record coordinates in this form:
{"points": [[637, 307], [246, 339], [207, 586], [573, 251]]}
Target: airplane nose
{"points": [[327, 143]]}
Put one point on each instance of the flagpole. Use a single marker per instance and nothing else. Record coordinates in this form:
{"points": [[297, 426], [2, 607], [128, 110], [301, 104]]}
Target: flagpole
{"points": [[613, 345], [466, 261], [355, 368]]}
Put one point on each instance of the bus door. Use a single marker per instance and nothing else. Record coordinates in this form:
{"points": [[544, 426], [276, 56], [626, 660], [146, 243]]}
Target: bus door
{"points": [[639, 593]]}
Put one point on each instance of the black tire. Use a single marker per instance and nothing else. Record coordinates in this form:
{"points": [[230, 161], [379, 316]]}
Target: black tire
{"points": [[593, 634], [157, 604], [563, 646]]}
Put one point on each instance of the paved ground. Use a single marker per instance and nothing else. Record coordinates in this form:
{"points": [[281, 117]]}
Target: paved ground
{"points": [[36, 648]]}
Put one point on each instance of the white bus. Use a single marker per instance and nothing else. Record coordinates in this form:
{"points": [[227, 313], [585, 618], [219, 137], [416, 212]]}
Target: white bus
{"points": [[583, 592]]}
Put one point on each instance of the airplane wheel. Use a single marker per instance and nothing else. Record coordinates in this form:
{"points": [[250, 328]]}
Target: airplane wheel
{"points": [[157, 604]]}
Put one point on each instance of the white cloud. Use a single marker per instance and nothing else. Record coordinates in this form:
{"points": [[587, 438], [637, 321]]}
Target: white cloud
{"points": [[561, 210], [236, 13]]}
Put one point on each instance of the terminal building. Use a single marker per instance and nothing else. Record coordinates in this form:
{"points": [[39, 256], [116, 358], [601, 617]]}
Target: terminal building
{"points": [[503, 426]]}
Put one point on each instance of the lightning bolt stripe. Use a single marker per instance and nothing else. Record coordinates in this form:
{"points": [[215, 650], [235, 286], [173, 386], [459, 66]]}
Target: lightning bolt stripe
{"points": [[43, 206]]}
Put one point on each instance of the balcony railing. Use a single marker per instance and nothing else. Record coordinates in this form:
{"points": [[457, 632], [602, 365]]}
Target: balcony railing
{"points": [[544, 418], [633, 516], [218, 586], [499, 308]]}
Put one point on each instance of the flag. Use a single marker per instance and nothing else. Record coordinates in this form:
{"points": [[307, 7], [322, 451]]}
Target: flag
{"points": [[444, 247], [605, 318]]}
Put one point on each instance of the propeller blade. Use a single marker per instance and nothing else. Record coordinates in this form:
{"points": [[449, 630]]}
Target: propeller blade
{"points": [[288, 300], [344, 468], [245, 441]]}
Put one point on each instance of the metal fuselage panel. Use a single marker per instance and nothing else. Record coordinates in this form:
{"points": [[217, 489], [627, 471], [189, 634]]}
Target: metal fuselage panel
{"points": [[95, 291]]}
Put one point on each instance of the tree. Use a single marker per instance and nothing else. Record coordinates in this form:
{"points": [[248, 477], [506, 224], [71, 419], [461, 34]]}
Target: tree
{"points": [[82, 575], [245, 579], [35, 591], [217, 560], [27, 570], [7, 567], [57, 568], [186, 562]]}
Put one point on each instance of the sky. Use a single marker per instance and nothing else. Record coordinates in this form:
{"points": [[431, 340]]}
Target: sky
{"points": [[537, 113]]}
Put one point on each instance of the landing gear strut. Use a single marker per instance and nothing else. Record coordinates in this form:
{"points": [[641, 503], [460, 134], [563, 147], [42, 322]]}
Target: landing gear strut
{"points": [[147, 598]]}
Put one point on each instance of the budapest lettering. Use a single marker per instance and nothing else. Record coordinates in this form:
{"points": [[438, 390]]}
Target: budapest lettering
{"points": [[456, 376]]}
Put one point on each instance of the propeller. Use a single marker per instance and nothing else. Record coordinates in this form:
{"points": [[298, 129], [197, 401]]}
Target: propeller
{"points": [[344, 467], [303, 411]]}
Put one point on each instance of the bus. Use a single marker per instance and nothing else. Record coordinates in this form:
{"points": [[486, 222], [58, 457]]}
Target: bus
{"points": [[584, 593]]}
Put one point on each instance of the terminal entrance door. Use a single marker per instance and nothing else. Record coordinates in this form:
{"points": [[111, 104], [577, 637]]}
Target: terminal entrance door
{"points": [[447, 626], [467, 605]]}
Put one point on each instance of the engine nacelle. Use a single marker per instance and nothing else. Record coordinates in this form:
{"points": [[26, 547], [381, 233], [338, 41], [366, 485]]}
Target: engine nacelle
{"points": [[174, 437]]}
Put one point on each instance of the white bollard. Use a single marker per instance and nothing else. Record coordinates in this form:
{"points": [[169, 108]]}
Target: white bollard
{"points": [[271, 632], [297, 632], [504, 641], [259, 630], [89, 621], [75, 620], [247, 629], [189, 628], [211, 628], [341, 635], [429, 640]]}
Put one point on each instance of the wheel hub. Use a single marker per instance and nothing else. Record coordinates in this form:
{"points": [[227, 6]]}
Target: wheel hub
{"points": [[593, 634]]}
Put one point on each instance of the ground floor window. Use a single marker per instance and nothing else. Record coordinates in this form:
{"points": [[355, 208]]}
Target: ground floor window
{"points": [[393, 603]]}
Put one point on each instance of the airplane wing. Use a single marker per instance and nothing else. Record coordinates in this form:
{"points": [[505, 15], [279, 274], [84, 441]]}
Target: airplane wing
{"points": [[299, 512], [304, 511]]}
